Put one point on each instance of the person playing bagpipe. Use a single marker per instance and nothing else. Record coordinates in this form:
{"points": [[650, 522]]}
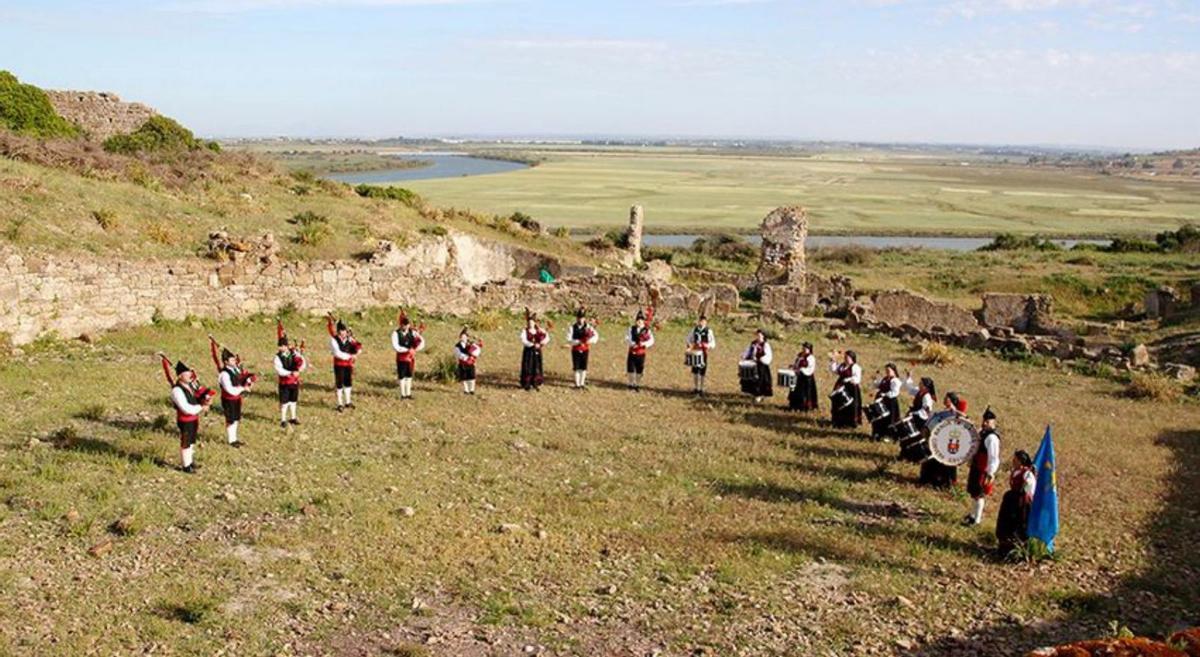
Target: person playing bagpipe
{"points": [[983, 469], [847, 404], [406, 342], [1012, 522], [639, 338], [234, 383], [887, 389], [289, 363], [803, 397], [534, 340], [933, 472], [190, 400], [467, 351], [703, 340], [759, 352], [581, 336], [346, 350]]}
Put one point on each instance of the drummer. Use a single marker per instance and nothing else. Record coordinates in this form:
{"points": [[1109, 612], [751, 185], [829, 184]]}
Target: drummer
{"points": [[849, 374], [887, 390], [933, 472], [803, 396], [759, 352], [703, 340], [924, 396]]}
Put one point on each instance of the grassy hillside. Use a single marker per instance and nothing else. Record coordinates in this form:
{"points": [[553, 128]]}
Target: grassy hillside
{"points": [[602, 522], [847, 193]]}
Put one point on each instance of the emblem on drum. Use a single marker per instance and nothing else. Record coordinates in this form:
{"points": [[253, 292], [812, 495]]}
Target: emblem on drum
{"points": [[953, 441]]}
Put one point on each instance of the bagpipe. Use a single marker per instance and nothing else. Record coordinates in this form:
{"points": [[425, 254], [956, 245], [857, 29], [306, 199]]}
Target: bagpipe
{"points": [[543, 334], [297, 352], [474, 346], [245, 378], [203, 395], [352, 346], [402, 321]]}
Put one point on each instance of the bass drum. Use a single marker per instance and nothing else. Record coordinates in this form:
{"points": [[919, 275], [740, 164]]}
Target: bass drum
{"points": [[953, 441]]}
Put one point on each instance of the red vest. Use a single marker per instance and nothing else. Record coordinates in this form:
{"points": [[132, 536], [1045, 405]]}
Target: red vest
{"points": [[293, 362], [581, 334], [640, 338], [412, 342], [191, 399]]}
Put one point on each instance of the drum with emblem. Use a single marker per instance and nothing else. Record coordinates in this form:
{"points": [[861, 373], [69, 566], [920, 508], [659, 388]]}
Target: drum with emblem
{"points": [[786, 379], [876, 411], [694, 358], [953, 441], [840, 398], [748, 370]]}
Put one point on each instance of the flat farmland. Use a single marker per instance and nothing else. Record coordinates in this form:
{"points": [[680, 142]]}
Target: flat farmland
{"points": [[861, 193]]}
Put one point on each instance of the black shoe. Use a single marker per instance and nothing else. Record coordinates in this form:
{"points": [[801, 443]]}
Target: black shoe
{"points": [[237, 444], [191, 469], [283, 425], [294, 421], [340, 408], [350, 406]]}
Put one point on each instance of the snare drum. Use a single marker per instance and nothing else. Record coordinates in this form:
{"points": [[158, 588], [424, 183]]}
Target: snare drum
{"points": [[907, 428], [840, 399], [748, 370], [694, 359], [786, 379], [915, 450], [876, 411]]}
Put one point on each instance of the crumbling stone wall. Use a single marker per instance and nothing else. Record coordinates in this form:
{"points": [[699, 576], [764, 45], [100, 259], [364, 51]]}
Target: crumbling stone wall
{"points": [[784, 232], [100, 113], [1023, 313], [637, 220], [903, 308]]}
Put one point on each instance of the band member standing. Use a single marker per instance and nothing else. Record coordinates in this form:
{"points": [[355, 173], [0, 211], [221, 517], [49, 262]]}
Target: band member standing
{"points": [[933, 472], [703, 340], [760, 352], [467, 351], [887, 388], [534, 340], [804, 396], [581, 336], [984, 464], [924, 397], [190, 400], [406, 342], [289, 363], [849, 379], [639, 338], [346, 351], [1012, 522], [234, 384]]}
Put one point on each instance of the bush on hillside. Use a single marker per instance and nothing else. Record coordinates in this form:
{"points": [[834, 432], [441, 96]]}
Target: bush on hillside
{"points": [[1184, 240], [26, 109], [850, 254], [1011, 242], [405, 196], [725, 246], [157, 135], [1155, 387]]}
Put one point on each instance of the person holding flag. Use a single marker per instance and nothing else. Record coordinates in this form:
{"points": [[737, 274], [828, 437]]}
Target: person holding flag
{"points": [[1012, 521], [1043, 510]]}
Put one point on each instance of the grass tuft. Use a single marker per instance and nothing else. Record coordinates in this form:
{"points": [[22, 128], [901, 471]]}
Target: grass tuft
{"points": [[1155, 387]]}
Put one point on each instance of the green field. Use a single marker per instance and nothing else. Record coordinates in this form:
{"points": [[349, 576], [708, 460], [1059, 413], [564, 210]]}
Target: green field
{"points": [[863, 193]]}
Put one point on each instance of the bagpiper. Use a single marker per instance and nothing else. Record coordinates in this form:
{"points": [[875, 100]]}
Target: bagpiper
{"points": [[760, 355], [234, 383], [581, 335], [190, 400], [639, 338], [406, 342], [887, 389], [467, 351], [1012, 522], [983, 469], [533, 339], [803, 397], [346, 350], [289, 364], [847, 392], [702, 339]]}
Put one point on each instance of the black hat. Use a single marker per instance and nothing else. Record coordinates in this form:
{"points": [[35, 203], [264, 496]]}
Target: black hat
{"points": [[180, 368], [283, 341], [341, 326], [465, 331], [988, 414], [579, 314], [641, 315], [703, 317], [226, 354]]}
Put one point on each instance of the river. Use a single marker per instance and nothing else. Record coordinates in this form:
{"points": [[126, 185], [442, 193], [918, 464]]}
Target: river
{"points": [[441, 165], [869, 241]]}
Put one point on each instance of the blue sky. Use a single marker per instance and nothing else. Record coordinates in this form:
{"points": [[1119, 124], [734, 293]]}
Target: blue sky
{"points": [[1122, 73]]}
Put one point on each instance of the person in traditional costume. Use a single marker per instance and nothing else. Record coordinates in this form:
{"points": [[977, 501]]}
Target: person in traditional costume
{"points": [[924, 397], [234, 383], [406, 342], [1012, 522], [984, 465], [887, 389], [467, 351], [534, 340], [803, 397], [703, 340], [849, 380], [346, 350], [760, 353], [581, 335], [289, 364], [190, 400], [639, 339], [933, 472]]}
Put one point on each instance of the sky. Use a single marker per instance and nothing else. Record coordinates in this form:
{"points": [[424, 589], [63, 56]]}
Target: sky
{"points": [[1112, 73]]}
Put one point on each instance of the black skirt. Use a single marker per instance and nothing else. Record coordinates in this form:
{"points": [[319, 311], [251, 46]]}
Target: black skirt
{"points": [[404, 369], [466, 372], [635, 363], [882, 428], [579, 360], [1012, 522], [849, 416], [804, 396], [531, 368], [761, 384], [937, 475]]}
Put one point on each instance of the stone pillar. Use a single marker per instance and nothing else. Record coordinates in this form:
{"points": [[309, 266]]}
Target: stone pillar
{"points": [[784, 232], [636, 221]]}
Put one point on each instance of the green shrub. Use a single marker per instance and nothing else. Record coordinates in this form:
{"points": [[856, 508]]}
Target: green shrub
{"points": [[26, 109], [158, 134], [312, 234], [389, 193], [1155, 387], [437, 231], [1184, 240], [1131, 245], [213, 146], [850, 254], [308, 218], [562, 232], [725, 246], [1011, 242], [106, 218]]}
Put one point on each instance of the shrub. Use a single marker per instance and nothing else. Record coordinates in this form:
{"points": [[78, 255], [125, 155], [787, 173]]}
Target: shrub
{"points": [[1129, 245], [15, 229], [308, 218], [487, 320], [26, 109], [312, 234], [724, 246], [213, 146], [437, 231], [405, 196], [937, 353], [1155, 387], [562, 232], [525, 221], [444, 369], [850, 254], [1011, 242], [106, 218], [1184, 240], [93, 412], [158, 134], [162, 232]]}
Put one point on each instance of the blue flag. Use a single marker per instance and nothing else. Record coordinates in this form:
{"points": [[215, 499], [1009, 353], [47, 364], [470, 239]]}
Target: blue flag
{"points": [[1043, 513]]}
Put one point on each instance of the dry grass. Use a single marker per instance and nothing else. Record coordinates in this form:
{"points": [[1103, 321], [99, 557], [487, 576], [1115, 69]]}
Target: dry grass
{"points": [[937, 353], [1154, 387], [631, 521]]}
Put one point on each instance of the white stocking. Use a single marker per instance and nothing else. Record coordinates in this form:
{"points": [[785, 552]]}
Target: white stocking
{"points": [[186, 454], [231, 432]]}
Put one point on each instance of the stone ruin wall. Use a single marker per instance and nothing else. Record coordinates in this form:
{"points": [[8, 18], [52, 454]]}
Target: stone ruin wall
{"points": [[101, 114], [455, 274]]}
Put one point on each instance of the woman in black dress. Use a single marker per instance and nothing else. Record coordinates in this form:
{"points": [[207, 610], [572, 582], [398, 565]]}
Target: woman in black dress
{"points": [[1012, 522], [803, 397], [849, 378], [760, 352], [888, 390]]}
